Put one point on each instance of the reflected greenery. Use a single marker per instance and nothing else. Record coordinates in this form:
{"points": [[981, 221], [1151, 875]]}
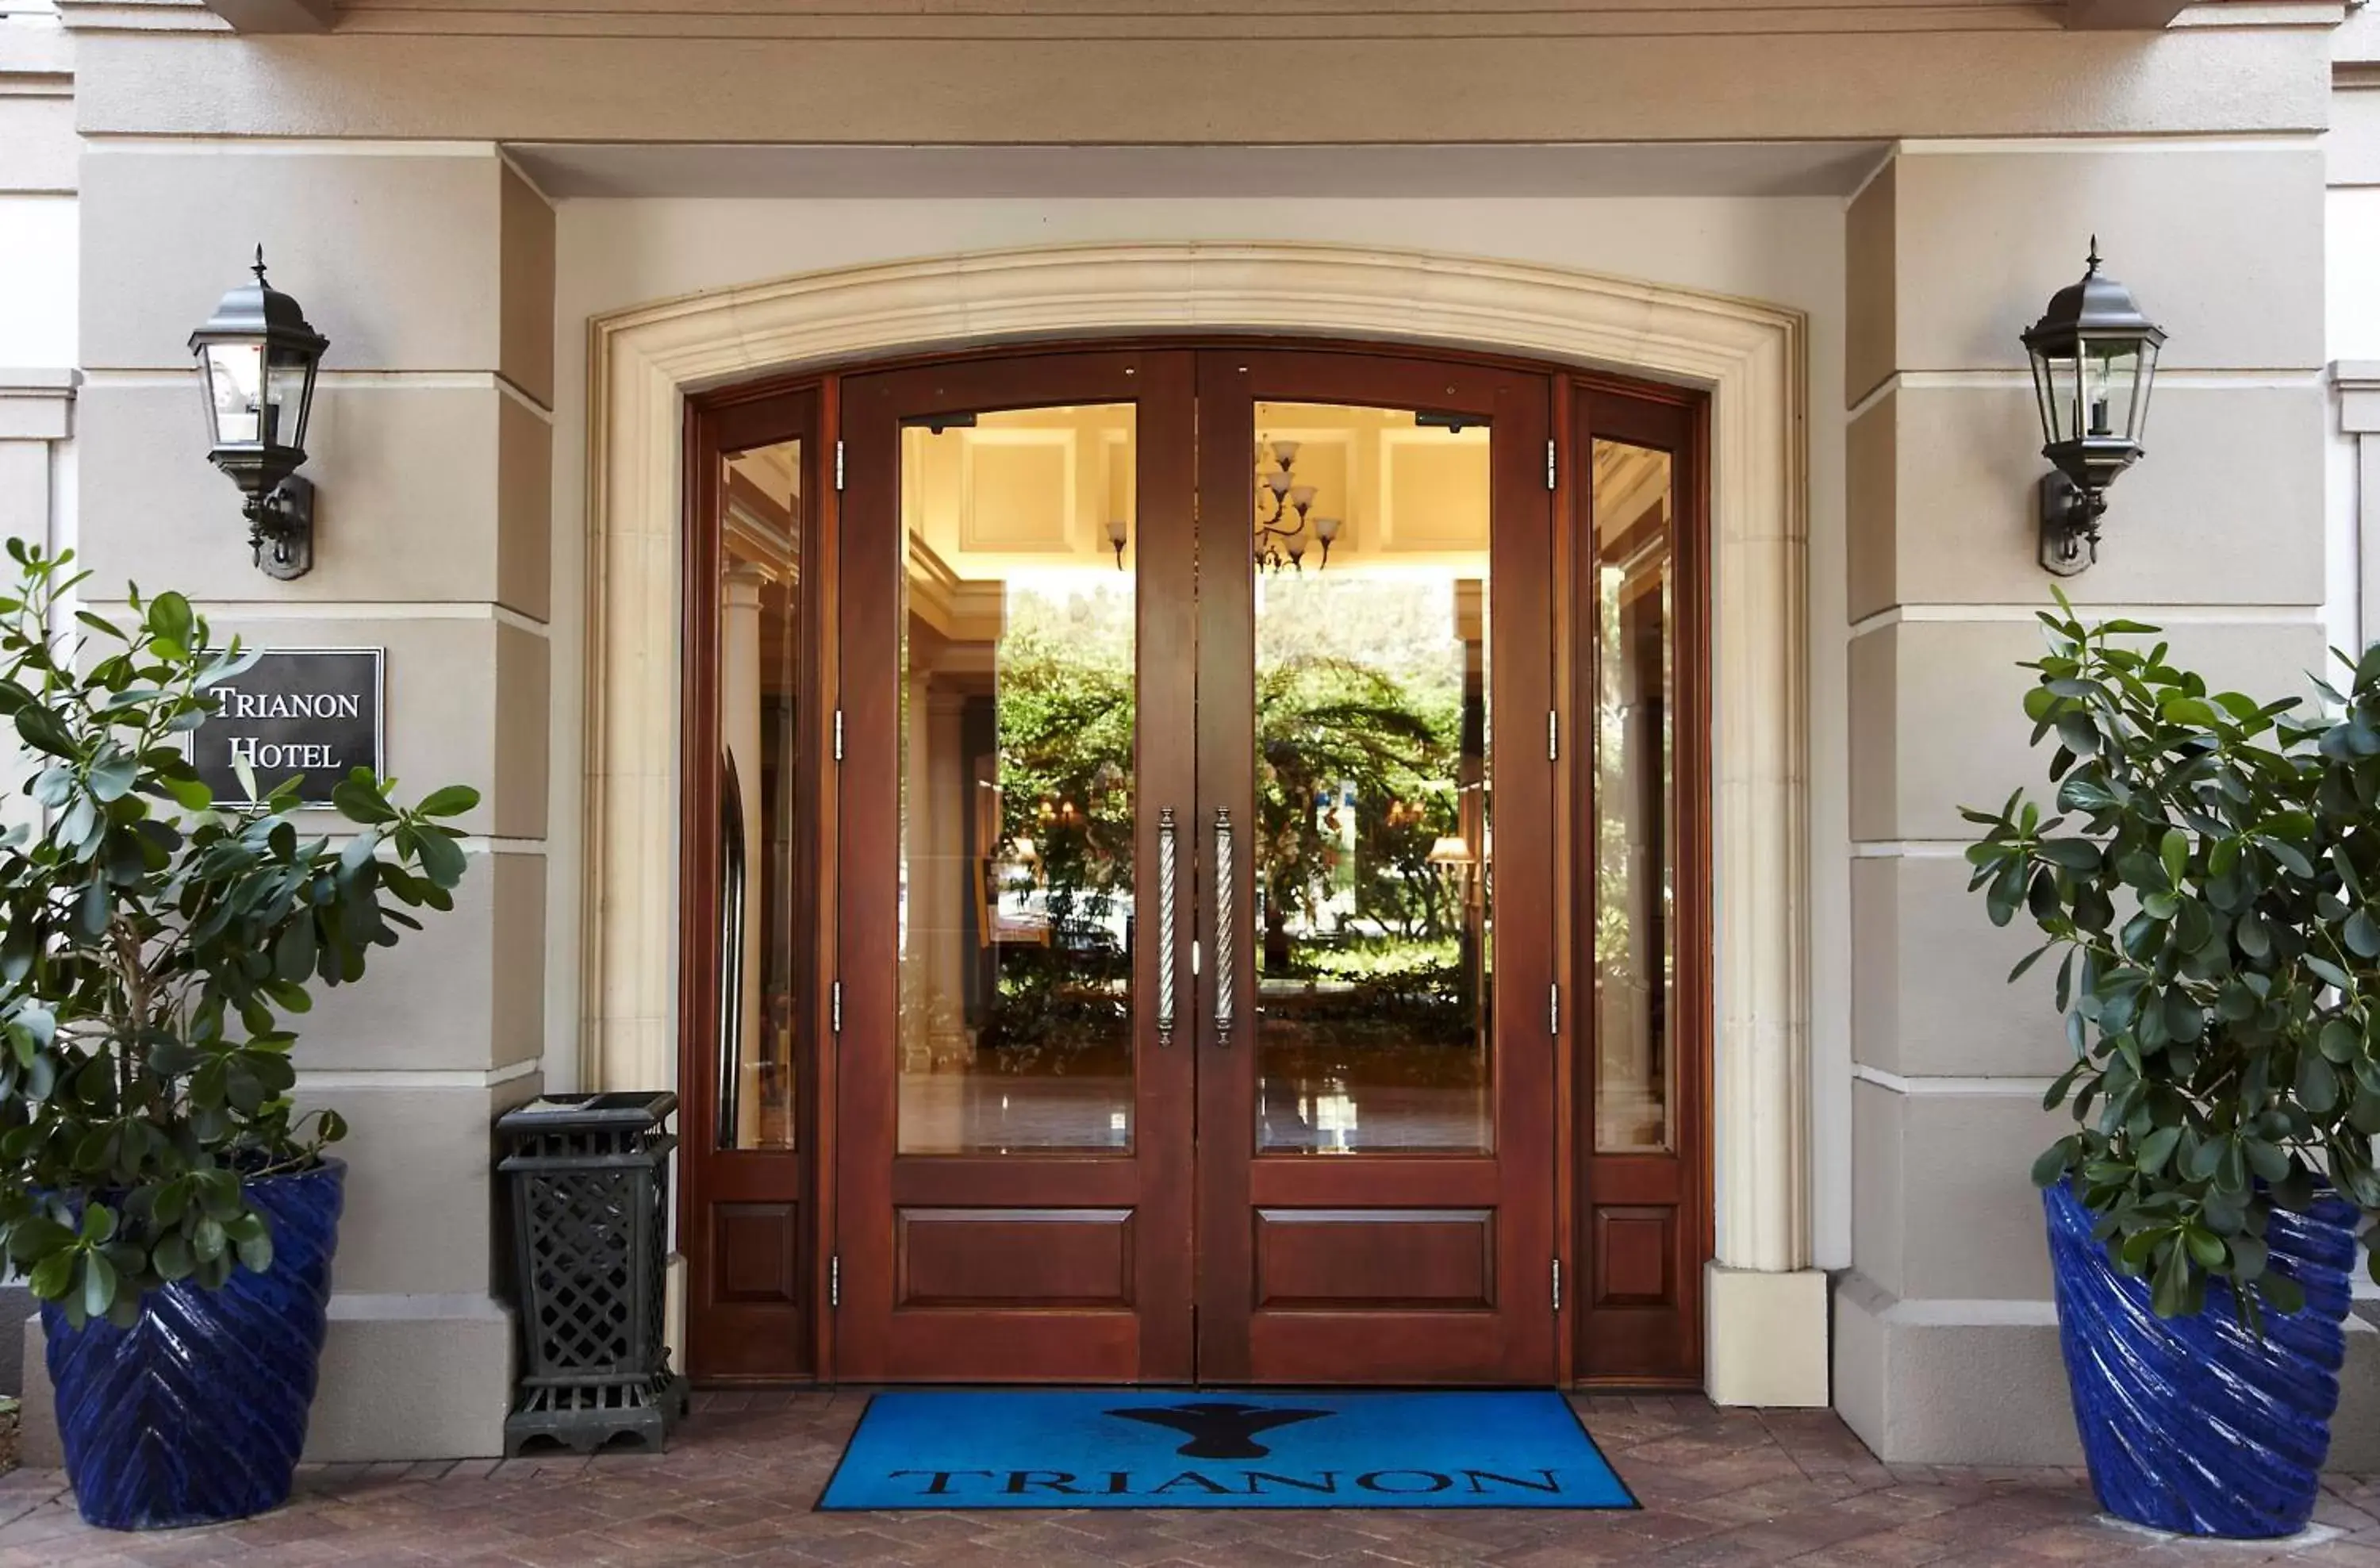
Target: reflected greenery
{"points": [[1357, 758], [1335, 735]]}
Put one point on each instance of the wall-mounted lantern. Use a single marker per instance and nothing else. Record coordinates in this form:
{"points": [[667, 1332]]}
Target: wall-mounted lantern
{"points": [[2093, 357], [257, 359]]}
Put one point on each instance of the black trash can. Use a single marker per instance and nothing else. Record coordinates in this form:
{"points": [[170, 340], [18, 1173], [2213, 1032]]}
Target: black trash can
{"points": [[589, 1179]]}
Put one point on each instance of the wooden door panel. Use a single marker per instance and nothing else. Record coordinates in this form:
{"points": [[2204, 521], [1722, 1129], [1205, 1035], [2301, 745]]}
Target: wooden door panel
{"points": [[1635, 1257], [1035, 1345], [1014, 1258], [1382, 1180], [1340, 1259], [756, 1253], [747, 1297], [1072, 1181], [1400, 1346]]}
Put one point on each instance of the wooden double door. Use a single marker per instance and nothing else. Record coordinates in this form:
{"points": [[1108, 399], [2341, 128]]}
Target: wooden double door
{"points": [[1195, 944]]}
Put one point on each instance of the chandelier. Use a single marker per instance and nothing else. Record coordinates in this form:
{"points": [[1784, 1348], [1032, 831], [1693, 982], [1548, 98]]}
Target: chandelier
{"points": [[1283, 530]]}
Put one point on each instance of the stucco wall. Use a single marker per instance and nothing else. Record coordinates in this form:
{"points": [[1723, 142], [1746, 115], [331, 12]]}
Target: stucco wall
{"points": [[2352, 299], [1945, 1337]]}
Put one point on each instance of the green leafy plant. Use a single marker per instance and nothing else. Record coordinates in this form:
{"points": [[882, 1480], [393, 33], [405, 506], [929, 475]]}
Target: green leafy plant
{"points": [[1323, 724], [2212, 882], [152, 942]]}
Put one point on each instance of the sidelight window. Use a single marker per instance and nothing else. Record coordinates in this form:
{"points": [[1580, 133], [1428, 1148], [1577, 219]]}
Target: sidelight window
{"points": [[1635, 818], [761, 990]]}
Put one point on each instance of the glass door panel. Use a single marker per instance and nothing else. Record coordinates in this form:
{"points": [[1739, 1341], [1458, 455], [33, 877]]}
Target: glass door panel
{"points": [[1371, 850], [1019, 725], [1635, 780]]}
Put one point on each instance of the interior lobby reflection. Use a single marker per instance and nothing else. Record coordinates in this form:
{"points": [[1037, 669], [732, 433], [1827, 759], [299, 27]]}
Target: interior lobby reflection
{"points": [[1373, 842], [760, 994], [1017, 911]]}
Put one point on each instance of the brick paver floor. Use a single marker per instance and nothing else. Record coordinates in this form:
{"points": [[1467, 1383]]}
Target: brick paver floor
{"points": [[1719, 1487]]}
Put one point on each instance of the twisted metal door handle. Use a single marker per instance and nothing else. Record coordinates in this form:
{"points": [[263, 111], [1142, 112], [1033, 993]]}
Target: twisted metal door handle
{"points": [[1165, 904], [1224, 988]]}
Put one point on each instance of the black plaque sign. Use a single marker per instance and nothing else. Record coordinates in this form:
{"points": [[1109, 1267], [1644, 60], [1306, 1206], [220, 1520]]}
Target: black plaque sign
{"points": [[312, 713]]}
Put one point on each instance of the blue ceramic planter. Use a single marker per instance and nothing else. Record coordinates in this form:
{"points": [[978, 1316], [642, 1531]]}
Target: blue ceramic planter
{"points": [[2196, 1425], [197, 1412]]}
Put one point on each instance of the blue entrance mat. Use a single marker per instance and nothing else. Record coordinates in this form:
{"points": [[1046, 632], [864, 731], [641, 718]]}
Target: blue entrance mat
{"points": [[1205, 1448]]}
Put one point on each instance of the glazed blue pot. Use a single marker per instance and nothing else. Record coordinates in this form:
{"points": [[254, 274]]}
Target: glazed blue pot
{"points": [[2196, 1425], [197, 1412]]}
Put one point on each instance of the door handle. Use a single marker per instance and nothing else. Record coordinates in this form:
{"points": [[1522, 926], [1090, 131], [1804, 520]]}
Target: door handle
{"points": [[1224, 988], [1165, 903]]}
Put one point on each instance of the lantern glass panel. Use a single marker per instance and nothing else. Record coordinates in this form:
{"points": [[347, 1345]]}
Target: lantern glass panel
{"points": [[2045, 391], [289, 395], [2141, 398], [235, 377], [2073, 394], [2112, 378]]}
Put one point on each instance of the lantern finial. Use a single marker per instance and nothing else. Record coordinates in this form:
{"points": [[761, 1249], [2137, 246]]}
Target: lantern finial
{"points": [[259, 268], [2090, 270]]}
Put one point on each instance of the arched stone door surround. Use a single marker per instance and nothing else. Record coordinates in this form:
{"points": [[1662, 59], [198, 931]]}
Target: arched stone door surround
{"points": [[1766, 1307]]}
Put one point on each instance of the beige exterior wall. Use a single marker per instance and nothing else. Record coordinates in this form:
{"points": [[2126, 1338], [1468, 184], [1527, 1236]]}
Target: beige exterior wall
{"points": [[1155, 75], [1964, 168], [429, 269], [2353, 329], [37, 358], [37, 271], [37, 291], [1945, 1315]]}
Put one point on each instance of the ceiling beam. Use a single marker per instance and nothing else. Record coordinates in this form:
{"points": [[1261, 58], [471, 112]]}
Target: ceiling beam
{"points": [[276, 15], [2107, 16]]}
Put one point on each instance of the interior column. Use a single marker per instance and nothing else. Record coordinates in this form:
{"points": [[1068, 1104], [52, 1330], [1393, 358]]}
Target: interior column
{"points": [[739, 733]]}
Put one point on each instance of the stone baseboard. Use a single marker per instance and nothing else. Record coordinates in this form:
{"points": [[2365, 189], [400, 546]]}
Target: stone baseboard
{"points": [[1982, 1382], [1764, 1338], [404, 1377]]}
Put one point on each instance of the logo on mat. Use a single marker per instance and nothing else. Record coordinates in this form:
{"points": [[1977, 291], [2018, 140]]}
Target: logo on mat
{"points": [[1218, 1430]]}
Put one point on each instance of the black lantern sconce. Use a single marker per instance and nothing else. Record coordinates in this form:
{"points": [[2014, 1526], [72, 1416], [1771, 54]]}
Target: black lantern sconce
{"points": [[2093, 357], [257, 359]]}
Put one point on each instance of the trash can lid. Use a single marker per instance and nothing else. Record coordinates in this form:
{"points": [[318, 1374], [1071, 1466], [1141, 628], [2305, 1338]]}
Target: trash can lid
{"points": [[617, 1108]]}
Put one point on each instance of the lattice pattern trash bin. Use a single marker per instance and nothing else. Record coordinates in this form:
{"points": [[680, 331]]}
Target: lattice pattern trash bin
{"points": [[589, 1179]]}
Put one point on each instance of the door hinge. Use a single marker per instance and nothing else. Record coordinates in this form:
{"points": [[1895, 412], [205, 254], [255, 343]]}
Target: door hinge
{"points": [[1553, 735], [834, 1007], [835, 1281], [1553, 1008], [1549, 462], [838, 466], [838, 734], [1557, 1284]]}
